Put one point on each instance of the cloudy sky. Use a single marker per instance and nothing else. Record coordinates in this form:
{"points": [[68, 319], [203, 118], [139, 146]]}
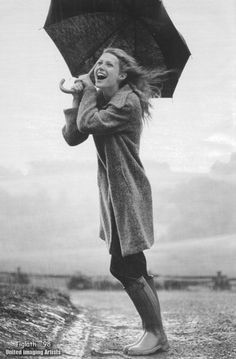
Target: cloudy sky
{"points": [[189, 132]]}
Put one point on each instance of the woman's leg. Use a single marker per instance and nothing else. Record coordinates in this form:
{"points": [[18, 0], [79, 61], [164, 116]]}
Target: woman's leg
{"points": [[128, 268], [134, 266], [148, 307], [131, 271]]}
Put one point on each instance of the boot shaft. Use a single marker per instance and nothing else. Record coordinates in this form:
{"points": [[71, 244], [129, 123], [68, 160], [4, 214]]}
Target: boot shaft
{"points": [[146, 303]]}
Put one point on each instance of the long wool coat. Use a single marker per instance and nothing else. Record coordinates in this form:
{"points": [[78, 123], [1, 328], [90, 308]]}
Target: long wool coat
{"points": [[124, 190]]}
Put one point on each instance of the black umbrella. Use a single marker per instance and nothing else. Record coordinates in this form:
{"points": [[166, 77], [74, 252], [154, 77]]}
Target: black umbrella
{"points": [[81, 29]]}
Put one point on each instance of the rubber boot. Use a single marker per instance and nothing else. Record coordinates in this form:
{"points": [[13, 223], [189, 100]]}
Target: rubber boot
{"points": [[150, 282], [147, 305]]}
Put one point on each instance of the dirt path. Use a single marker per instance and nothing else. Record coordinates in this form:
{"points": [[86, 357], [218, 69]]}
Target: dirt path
{"points": [[199, 324], [100, 323]]}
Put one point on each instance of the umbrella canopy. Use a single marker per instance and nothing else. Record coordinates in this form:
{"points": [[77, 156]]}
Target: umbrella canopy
{"points": [[81, 29]]}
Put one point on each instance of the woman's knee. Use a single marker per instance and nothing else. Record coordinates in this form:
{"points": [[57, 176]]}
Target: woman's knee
{"points": [[115, 272], [116, 268], [129, 268]]}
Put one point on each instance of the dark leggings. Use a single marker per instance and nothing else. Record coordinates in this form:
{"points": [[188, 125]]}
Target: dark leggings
{"points": [[126, 269]]}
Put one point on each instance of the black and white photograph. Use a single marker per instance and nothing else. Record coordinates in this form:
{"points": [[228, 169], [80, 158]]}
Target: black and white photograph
{"points": [[118, 179]]}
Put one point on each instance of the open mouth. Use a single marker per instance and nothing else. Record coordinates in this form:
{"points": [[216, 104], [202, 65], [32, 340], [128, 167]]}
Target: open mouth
{"points": [[101, 76]]}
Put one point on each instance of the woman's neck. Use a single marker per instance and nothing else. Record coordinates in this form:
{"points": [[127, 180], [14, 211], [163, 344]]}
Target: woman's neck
{"points": [[108, 93]]}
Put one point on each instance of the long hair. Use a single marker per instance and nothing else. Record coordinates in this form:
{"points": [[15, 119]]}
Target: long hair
{"points": [[145, 83]]}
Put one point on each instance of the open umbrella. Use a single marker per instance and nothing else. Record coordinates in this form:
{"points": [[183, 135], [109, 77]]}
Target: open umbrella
{"points": [[81, 29]]}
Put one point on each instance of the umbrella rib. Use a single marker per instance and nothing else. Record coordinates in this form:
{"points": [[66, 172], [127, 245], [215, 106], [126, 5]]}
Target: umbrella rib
{"points": [[91, 52]]}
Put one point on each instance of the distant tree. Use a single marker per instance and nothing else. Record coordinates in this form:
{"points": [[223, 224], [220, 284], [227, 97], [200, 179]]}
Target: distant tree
{"points": [[20, 278], [80, 281], [225, 168]]}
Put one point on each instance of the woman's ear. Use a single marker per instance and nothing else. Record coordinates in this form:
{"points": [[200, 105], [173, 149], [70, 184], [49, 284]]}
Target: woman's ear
{"points": [[122, 76]]}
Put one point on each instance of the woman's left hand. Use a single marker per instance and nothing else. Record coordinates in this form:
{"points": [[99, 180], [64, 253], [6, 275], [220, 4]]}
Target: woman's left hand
{"points": [[86, 80]]}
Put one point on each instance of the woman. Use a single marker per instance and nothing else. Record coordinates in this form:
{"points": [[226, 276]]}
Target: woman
{"points": [[114, 115]]}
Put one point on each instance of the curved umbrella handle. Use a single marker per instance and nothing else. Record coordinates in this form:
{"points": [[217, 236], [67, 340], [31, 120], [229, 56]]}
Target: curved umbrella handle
{"points": [[63, 89], [72, 92]]}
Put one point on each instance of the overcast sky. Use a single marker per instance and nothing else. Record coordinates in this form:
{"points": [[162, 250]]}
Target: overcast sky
{"points": [[189, 132]]}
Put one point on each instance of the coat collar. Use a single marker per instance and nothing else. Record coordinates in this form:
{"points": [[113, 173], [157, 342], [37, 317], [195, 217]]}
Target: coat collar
{"points": [[119, 99]]}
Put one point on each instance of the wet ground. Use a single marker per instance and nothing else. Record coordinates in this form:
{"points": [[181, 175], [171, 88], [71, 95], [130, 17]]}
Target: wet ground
{"points": [[199, 324]]}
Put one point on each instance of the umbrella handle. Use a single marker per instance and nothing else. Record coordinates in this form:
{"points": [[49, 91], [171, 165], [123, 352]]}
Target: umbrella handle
{"points": [[72, 92]]}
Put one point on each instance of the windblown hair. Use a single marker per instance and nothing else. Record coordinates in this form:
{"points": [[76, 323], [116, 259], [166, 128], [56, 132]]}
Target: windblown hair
{"points": [[145, 83]]}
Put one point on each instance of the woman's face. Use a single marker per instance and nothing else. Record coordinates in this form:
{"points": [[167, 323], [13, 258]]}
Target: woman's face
{"points": [[107, 72]]}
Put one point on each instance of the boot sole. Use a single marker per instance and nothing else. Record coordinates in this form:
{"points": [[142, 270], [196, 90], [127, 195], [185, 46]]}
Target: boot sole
{"points": [[162, 347], [127, 347]]}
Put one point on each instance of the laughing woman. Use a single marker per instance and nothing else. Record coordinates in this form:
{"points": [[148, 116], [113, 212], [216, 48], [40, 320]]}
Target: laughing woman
{"points": [[113, 111]]}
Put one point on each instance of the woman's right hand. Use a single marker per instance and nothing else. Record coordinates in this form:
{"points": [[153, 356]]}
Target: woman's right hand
{"points": [[78, 86], [75, 90]]}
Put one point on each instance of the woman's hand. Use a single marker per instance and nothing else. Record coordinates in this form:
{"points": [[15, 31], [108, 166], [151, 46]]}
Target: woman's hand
{"points": [[79, 84], [75, 90], [86, 80]]}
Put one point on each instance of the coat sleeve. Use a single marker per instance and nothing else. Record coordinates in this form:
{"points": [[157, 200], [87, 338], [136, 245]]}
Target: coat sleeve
{"points": [[91, 120], [70, 131]]}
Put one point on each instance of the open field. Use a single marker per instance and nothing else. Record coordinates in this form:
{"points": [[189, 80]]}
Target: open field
{"points": [[203, 256]]}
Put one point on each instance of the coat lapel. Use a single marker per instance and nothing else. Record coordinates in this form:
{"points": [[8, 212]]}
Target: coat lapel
{"points": [[118, 100]]}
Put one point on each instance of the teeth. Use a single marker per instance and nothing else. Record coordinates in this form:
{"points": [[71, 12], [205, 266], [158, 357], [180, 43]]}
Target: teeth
{"points": [[101, 75]]}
